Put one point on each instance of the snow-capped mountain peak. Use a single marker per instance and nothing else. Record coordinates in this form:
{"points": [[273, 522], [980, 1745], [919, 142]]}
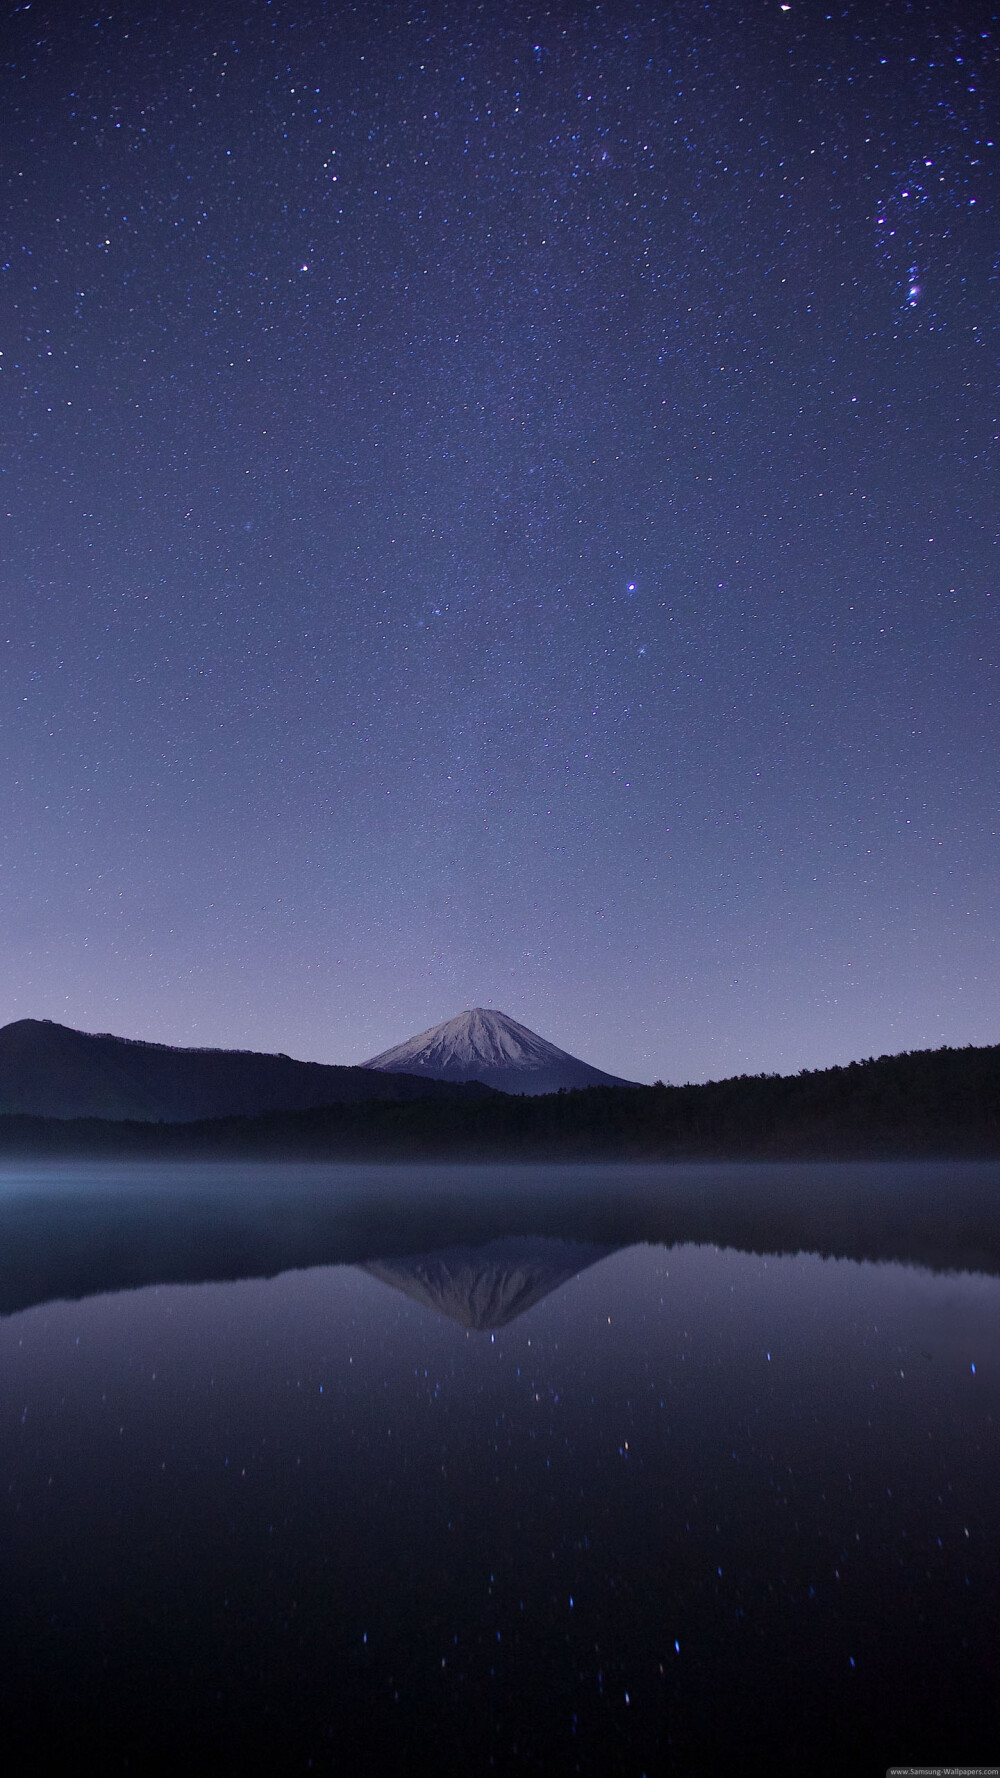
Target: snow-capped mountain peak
{"points": [[487, 1045]]}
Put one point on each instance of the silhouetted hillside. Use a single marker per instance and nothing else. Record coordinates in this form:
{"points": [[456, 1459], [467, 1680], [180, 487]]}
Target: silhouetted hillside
{"points": [[50, 1070], [926, 1103]]}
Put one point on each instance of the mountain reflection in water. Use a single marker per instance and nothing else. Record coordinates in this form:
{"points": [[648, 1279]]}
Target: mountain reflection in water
{"points": [[489, 1286], [78, 1231]]}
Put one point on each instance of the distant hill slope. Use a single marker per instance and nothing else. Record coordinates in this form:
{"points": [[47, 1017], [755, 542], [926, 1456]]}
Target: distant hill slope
{"points": [[50, 1070], [492, 1048]]}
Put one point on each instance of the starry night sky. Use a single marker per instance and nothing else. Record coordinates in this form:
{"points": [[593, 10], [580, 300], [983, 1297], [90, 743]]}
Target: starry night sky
{"points": [[499, 505]]}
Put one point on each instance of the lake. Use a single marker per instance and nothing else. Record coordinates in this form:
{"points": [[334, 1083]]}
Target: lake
{"points": [[597, 1470]]}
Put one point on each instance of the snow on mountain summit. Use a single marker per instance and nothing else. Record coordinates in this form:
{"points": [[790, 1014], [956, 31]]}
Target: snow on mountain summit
{"points": [[480, 1038], [489, 1046]]}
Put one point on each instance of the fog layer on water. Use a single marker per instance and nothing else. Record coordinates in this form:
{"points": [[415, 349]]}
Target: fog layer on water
{"points": [[73, 1230]]}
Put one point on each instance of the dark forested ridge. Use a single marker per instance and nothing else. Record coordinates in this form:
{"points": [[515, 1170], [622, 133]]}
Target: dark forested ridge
{"points": [[926, 1103]]}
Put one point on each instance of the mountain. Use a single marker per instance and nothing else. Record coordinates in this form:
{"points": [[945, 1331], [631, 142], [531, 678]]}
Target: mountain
{"points": [[50, 1070], [494, 1049]]}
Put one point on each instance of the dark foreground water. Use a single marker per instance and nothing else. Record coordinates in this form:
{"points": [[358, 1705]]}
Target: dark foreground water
{"points": [[527, 1481]]}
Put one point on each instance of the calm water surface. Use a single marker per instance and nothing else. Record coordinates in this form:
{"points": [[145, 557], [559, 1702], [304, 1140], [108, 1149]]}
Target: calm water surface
{"points": [[519, 1503]]}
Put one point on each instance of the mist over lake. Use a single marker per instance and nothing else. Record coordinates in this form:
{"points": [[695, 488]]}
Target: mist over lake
{"points": [[552, 1469]]}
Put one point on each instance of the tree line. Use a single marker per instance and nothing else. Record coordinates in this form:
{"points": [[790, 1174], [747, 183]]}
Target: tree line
{"points": [[923, 1103]]}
